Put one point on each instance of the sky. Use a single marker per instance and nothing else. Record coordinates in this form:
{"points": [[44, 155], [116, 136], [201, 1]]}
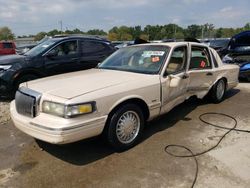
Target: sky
{"points": [[26, 17]]}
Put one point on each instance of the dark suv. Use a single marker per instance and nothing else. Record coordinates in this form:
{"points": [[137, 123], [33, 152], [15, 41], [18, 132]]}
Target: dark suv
{"points": [[54, 56]]}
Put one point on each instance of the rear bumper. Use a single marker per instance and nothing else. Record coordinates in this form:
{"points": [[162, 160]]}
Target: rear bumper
{"points": [[66, 133]]}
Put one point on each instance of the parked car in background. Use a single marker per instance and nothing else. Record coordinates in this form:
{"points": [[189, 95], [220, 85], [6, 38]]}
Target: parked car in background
{"points": [[238, 52], [7, 48], [219, 43], [238, 42], [22, 49], [53, 56], [242, 60], [134, 85], [124, 44]]}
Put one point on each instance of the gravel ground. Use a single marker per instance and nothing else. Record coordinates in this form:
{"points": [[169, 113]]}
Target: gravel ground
{"points": [[26, 162], [4, 112]]}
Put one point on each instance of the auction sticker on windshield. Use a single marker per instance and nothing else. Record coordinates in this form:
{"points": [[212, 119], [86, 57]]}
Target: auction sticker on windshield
{"points": [[153, 53]]}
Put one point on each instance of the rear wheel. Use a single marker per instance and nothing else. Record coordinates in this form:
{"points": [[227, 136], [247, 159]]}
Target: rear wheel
{"points": [[218, 91], [125, 127]]}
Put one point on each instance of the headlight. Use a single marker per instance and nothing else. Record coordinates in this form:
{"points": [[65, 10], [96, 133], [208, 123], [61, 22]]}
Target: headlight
{"points": [[5, 67], [68, 111]]}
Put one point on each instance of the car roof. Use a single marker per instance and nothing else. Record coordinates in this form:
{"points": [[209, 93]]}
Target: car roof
{"points": [[76, 36], [172, 44]]}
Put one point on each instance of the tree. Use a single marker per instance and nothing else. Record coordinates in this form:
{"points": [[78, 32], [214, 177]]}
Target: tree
{"points": [[6, 34], [219, 33], [247, 26], [54, 32], [193, 31], [40, 36], [126, 36], [208, 30], [144, 37], [96, 32], [113, 36]]}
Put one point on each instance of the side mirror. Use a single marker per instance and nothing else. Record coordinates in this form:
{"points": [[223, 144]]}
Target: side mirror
{"points": [[97, 66], [174, 81]]}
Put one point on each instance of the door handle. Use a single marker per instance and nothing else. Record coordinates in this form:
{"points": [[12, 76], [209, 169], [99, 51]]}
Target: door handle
{"points": [[209, 74], [74, 59]]}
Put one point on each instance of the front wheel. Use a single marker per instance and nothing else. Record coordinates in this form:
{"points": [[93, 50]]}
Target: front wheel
{"points": [[125, 127], [218, 91]]}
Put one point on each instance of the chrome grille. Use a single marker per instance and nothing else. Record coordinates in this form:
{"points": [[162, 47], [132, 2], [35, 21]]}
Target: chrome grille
{"points": [[27, 102]]}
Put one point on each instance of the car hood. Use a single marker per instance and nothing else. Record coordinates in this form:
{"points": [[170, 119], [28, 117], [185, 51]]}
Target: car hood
{"points": [[75, 84], [11, 59]]}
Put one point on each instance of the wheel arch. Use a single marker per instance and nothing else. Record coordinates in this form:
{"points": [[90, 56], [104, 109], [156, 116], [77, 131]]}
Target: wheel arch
{"points": [[220, 78], [133, 100], [26, 72]]}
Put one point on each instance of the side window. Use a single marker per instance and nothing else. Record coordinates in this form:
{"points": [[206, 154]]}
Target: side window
{"points": [[200, 58], [7, 45], [177, 62], [92, 46], [65, 48]]}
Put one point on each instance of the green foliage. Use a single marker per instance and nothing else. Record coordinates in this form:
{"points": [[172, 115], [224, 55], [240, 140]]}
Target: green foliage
{"points": [[6, 34], [40, 36], [149, 32], [96, 32], [193, 31]]}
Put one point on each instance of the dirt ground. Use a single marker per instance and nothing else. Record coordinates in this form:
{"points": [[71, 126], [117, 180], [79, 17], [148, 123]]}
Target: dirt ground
{"points": [[26, 162]]}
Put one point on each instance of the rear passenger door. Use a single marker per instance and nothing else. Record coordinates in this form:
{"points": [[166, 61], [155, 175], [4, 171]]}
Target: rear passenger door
{"points": [[200, 71], [93, 52]]}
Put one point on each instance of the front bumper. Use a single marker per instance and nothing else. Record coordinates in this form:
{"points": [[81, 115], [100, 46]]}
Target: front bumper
{"points": [[6, 89], [49, 129]]}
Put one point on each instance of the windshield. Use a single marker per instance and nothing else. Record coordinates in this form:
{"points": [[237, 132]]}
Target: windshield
{"points": [[40, 48], [141, 59]]}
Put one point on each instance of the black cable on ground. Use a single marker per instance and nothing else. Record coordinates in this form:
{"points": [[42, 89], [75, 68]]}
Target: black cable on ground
{"points": [[194, 155]]}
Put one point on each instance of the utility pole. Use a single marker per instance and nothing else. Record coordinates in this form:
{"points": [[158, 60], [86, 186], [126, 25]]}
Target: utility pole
{"points": [[202, 32], [174, 31], [61, 25]]}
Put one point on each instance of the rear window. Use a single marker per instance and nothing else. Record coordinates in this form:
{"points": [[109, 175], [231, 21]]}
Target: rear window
{"points": [[92, 46], [7, 45]]}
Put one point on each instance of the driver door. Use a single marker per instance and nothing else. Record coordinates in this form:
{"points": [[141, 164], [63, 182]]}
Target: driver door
{"points": [[63, 58], [175, 80]]}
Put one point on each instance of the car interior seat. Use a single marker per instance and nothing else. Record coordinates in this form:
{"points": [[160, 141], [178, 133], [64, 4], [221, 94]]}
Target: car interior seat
{"points": [[198, 62]]}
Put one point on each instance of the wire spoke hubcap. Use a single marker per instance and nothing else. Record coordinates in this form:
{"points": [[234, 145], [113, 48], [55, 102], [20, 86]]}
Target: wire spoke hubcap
{"points": [[220, 89], [128, 127]]}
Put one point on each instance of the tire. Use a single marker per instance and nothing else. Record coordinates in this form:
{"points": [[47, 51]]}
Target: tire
{"points": [[125, 127], [218, 91]]}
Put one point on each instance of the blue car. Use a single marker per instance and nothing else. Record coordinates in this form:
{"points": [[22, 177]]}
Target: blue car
{"points": [[245, 71], [238, 52], [243, 60]]}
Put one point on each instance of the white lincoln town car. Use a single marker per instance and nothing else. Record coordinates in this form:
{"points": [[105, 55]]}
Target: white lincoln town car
{"points": [[134, 85]]}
